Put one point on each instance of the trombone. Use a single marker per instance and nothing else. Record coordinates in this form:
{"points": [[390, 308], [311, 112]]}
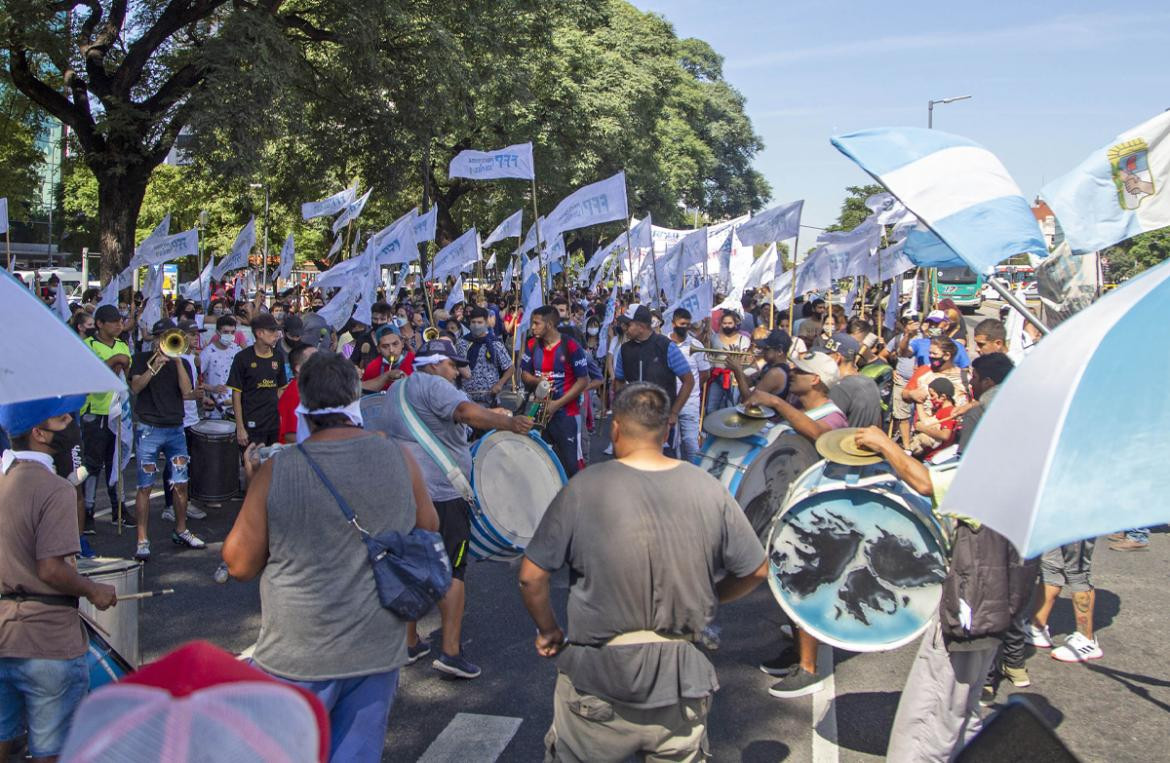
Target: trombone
{"points": [[726, 353]]}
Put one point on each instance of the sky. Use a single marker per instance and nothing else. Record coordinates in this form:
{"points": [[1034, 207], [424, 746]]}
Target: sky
{"points": [[1050, 82]]}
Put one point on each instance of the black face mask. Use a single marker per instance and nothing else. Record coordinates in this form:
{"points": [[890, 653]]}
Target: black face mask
{"points": [[680, 332], [730, 330], [65, 440], [937, 363]]}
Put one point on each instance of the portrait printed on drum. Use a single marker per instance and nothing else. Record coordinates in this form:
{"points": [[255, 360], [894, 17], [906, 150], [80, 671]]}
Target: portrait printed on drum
{"points": [[784, 461]]}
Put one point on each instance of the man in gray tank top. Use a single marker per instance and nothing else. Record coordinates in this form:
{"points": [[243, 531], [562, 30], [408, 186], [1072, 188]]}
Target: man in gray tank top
{"points": [[321, 624]]}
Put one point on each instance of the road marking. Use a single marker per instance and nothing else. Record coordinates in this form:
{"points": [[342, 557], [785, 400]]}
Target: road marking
{"points": [[472, 737], [824, 712]]}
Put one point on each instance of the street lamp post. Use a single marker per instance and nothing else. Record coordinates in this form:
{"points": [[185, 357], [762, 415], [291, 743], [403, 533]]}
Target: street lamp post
{"points": [[930, 107], [264, 277]]}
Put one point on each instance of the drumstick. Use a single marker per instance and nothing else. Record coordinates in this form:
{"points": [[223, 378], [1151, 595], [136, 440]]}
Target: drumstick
{"points": [[146, 594]]}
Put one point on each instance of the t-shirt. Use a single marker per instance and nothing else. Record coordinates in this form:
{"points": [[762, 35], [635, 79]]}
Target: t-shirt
{"points": [[904, 366], [191, 407], [923, 376], [549, 362], [287, 408], [259, 381], [921, 349], [38, 520], [698, 363], [644, 551], [378, 366], [100, 403], [859, 398], [215, 364], [160, 403], [434, 400], [489, 360], [830, 414]]}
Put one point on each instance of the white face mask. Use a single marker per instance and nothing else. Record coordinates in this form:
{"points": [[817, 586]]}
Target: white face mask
{"points": [[593, 331]]}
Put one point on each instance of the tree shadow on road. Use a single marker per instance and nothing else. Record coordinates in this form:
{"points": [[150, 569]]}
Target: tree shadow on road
{"points": [[1132, 682], [871, 716]]}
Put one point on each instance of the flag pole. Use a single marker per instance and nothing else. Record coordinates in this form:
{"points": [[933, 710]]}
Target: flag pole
{"points": [[120, 490], [792, 301], [8, 246], [539, 239]]}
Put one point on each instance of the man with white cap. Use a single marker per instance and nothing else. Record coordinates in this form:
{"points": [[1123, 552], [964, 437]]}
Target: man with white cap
{"points": [[813, 373]]}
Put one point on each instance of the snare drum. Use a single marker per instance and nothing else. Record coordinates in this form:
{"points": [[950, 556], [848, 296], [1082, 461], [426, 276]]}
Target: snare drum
{"points": [[515, 477], [757, 470], [214, 474], [856, 558], [121, 620]]}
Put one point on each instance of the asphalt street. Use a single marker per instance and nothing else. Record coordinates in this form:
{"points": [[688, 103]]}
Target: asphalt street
{"points": [[1114, 709]]}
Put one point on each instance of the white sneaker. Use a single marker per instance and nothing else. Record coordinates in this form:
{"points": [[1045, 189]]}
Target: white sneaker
{"points": [[608, 450], [168, 514], [1039, 636], [1078, 648], [194, 512]]}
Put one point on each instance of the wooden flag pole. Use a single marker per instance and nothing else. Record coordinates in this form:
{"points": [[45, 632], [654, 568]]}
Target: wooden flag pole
{"points": [[792, 301]]}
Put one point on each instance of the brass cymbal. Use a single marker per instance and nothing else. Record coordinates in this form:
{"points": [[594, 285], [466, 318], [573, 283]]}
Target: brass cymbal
{"points": [[839, 447], [755, 411], [732, 424]]}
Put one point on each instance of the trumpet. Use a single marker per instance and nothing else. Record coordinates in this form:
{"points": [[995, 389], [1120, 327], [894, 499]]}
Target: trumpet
{"points": [[430, 333], [170, 344], [726, 353]]}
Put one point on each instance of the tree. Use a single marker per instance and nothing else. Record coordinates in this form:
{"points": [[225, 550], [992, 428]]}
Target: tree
{"points": [[853, 209], [1138, 254], [19, 156]]}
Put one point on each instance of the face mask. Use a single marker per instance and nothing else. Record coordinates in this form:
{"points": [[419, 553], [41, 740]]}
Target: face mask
{"points": [[64, 440], [937, 363], [593, 331], [680, 332], [730, 330], [478, 331], [217, 311], [278, 317], [400, 322], [933, 331]]}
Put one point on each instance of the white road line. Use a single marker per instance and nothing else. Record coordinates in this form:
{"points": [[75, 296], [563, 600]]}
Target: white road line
{"points": [[469, 736], [824, 712]]}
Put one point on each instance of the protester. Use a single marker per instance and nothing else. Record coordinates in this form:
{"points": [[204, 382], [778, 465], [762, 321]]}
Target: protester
{"points": [[256, 380], [775, 374], [290, 398], [562, 362], [394, 361], [722, 391], [856, 395], [215, 365], [489, 361], [941, 364], [651, 357], [653, 546], [688, 415], [308, 599], [366, 343], [43, 669], [445, 412], [98, 440]]}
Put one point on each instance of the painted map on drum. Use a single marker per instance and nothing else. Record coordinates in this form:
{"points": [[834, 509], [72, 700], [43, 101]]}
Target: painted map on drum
{"points": [[856, 569]]}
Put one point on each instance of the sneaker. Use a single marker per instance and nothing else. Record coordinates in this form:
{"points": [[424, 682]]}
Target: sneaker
{"points": [[1039, 636], [456, 666], [1018, 676], [1078, 648], [168, 514], [608, 450], [87, 551], [798, 683], [194, 512], [413, 653], [188, 539], [782, 664], [221, 573], [1129, 545], [1115, 537], [127, 518], [142, 553], [987, 696], [90, 526]]}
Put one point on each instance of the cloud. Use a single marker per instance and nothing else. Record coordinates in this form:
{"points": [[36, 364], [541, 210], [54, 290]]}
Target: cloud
{"points": [[1093, 30]]}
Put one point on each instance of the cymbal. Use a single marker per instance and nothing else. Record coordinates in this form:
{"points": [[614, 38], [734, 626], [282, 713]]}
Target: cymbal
{"points": [[755, 411], [730, 423], [839, 447]]}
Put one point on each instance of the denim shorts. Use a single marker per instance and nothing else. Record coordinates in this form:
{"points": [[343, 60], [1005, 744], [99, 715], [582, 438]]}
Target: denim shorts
{"points": [[172, 441], [358, 709], [42, 694]]}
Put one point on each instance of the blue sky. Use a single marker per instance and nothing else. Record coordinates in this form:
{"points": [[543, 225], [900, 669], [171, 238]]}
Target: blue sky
{"points": [[1050, 82]]}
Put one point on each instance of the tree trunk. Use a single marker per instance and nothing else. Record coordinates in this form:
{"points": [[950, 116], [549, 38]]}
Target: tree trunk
{"points": [[119, 200]]}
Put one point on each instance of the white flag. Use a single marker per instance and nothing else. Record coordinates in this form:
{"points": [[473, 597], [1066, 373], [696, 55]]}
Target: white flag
{"points": [[199, 288], [506, 284], [61, 302], [4, 215], [603, 335], [424, 225], [554, 250], [510, 228], [351, 211], [600, 202], [342, 274], [238, 256], [602, 254], [152, 293], [776, 224], [892, 306], [156, 251], [815, 273], [456, 295], [287, 259], [530, 239], [454, 257], [763, 270], [697, 301], [329, 206], [396, 244], [694, 249], [642, 234], [335, 248], [511, 162], [160, 231], [340, 308]]}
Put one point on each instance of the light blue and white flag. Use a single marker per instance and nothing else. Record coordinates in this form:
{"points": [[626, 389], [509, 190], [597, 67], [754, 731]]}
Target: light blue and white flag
{"points": [[162, 230], [456, 295], [395, 244], [554, 250], [531, 266], [4, 215], [776, 224], [238, 256], [511, 162], [1118, 192], [510, 228], [529, 242], [926, 250], [953, 185], [532, 297], [340, 309], [329, 206], [351, 211], [424, 225], [199, 289], [454, 257], [694, 249], [600, 202], [342, 274], [156, 251], [336, 247], [885, 209], [288, 257], [698, 302]]}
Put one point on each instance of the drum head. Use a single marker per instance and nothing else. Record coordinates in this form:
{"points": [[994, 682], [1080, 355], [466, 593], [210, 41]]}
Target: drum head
{"points": [[515, 478], [215, 428], [765, 484], [858, 569]]}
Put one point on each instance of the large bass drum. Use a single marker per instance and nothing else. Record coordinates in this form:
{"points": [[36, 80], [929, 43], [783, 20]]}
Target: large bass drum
{"points": [[215, 461], [757, 470], [856, 558], [515, 477]]}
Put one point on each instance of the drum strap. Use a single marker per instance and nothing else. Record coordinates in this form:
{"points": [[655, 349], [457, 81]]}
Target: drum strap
{"points": [[44, 598], [646, 637], [427, 441]]}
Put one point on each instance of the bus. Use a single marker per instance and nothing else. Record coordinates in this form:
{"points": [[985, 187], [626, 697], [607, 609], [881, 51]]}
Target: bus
{"points": [[961, 285]]}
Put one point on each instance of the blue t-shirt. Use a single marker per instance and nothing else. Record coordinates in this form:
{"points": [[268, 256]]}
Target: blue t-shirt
{"points": [[674, 358], [921, 349]]}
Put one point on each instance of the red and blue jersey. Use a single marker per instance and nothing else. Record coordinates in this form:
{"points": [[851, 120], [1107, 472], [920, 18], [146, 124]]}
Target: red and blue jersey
{"points": [[549, 363]]}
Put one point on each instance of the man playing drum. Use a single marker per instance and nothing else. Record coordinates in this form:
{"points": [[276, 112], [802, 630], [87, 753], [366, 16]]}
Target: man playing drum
{"points": [[447, 412]]}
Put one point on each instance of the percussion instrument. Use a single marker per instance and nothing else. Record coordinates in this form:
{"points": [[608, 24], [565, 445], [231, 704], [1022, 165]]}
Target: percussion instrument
{"points": [[839, 446], [121, 620], [373, 407], [856, 558], [755, 411], [511, 400], [215, 461], [732, 424], [758, 469], [515, 477], [105, 664]]}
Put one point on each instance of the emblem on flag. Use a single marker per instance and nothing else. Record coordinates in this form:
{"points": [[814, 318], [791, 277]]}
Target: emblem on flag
{"points": [[1131, 172]]}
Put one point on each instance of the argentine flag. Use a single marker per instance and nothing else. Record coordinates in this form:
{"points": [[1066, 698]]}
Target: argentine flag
{"points": [[1118, 192], [957, 188]]}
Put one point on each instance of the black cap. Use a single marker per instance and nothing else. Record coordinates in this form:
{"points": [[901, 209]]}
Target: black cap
{"points": [[264, 321], [107, 314], [293, 325], [191, 326], [643, 315], [161, 326], [777, 339]]}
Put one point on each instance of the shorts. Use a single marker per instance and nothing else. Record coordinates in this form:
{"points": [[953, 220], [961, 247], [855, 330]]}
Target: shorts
{"points": [[263, 436], [44, 695], [900, 409], [172, 442], [1068, 566], [455, 527]]}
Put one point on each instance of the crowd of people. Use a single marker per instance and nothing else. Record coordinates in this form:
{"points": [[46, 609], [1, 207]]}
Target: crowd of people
{"points": [[279, 373]]}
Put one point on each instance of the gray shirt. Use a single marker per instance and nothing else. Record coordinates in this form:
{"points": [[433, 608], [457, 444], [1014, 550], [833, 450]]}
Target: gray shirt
{"points": [[859, 398], [644, 550], [434, 400]]}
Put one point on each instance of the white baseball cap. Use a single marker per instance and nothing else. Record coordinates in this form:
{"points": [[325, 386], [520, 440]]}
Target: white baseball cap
{"points": [[820, 364]]}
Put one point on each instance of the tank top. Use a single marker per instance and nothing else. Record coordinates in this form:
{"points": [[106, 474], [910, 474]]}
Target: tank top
{"points": [[320, 618], [783, 393]]}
